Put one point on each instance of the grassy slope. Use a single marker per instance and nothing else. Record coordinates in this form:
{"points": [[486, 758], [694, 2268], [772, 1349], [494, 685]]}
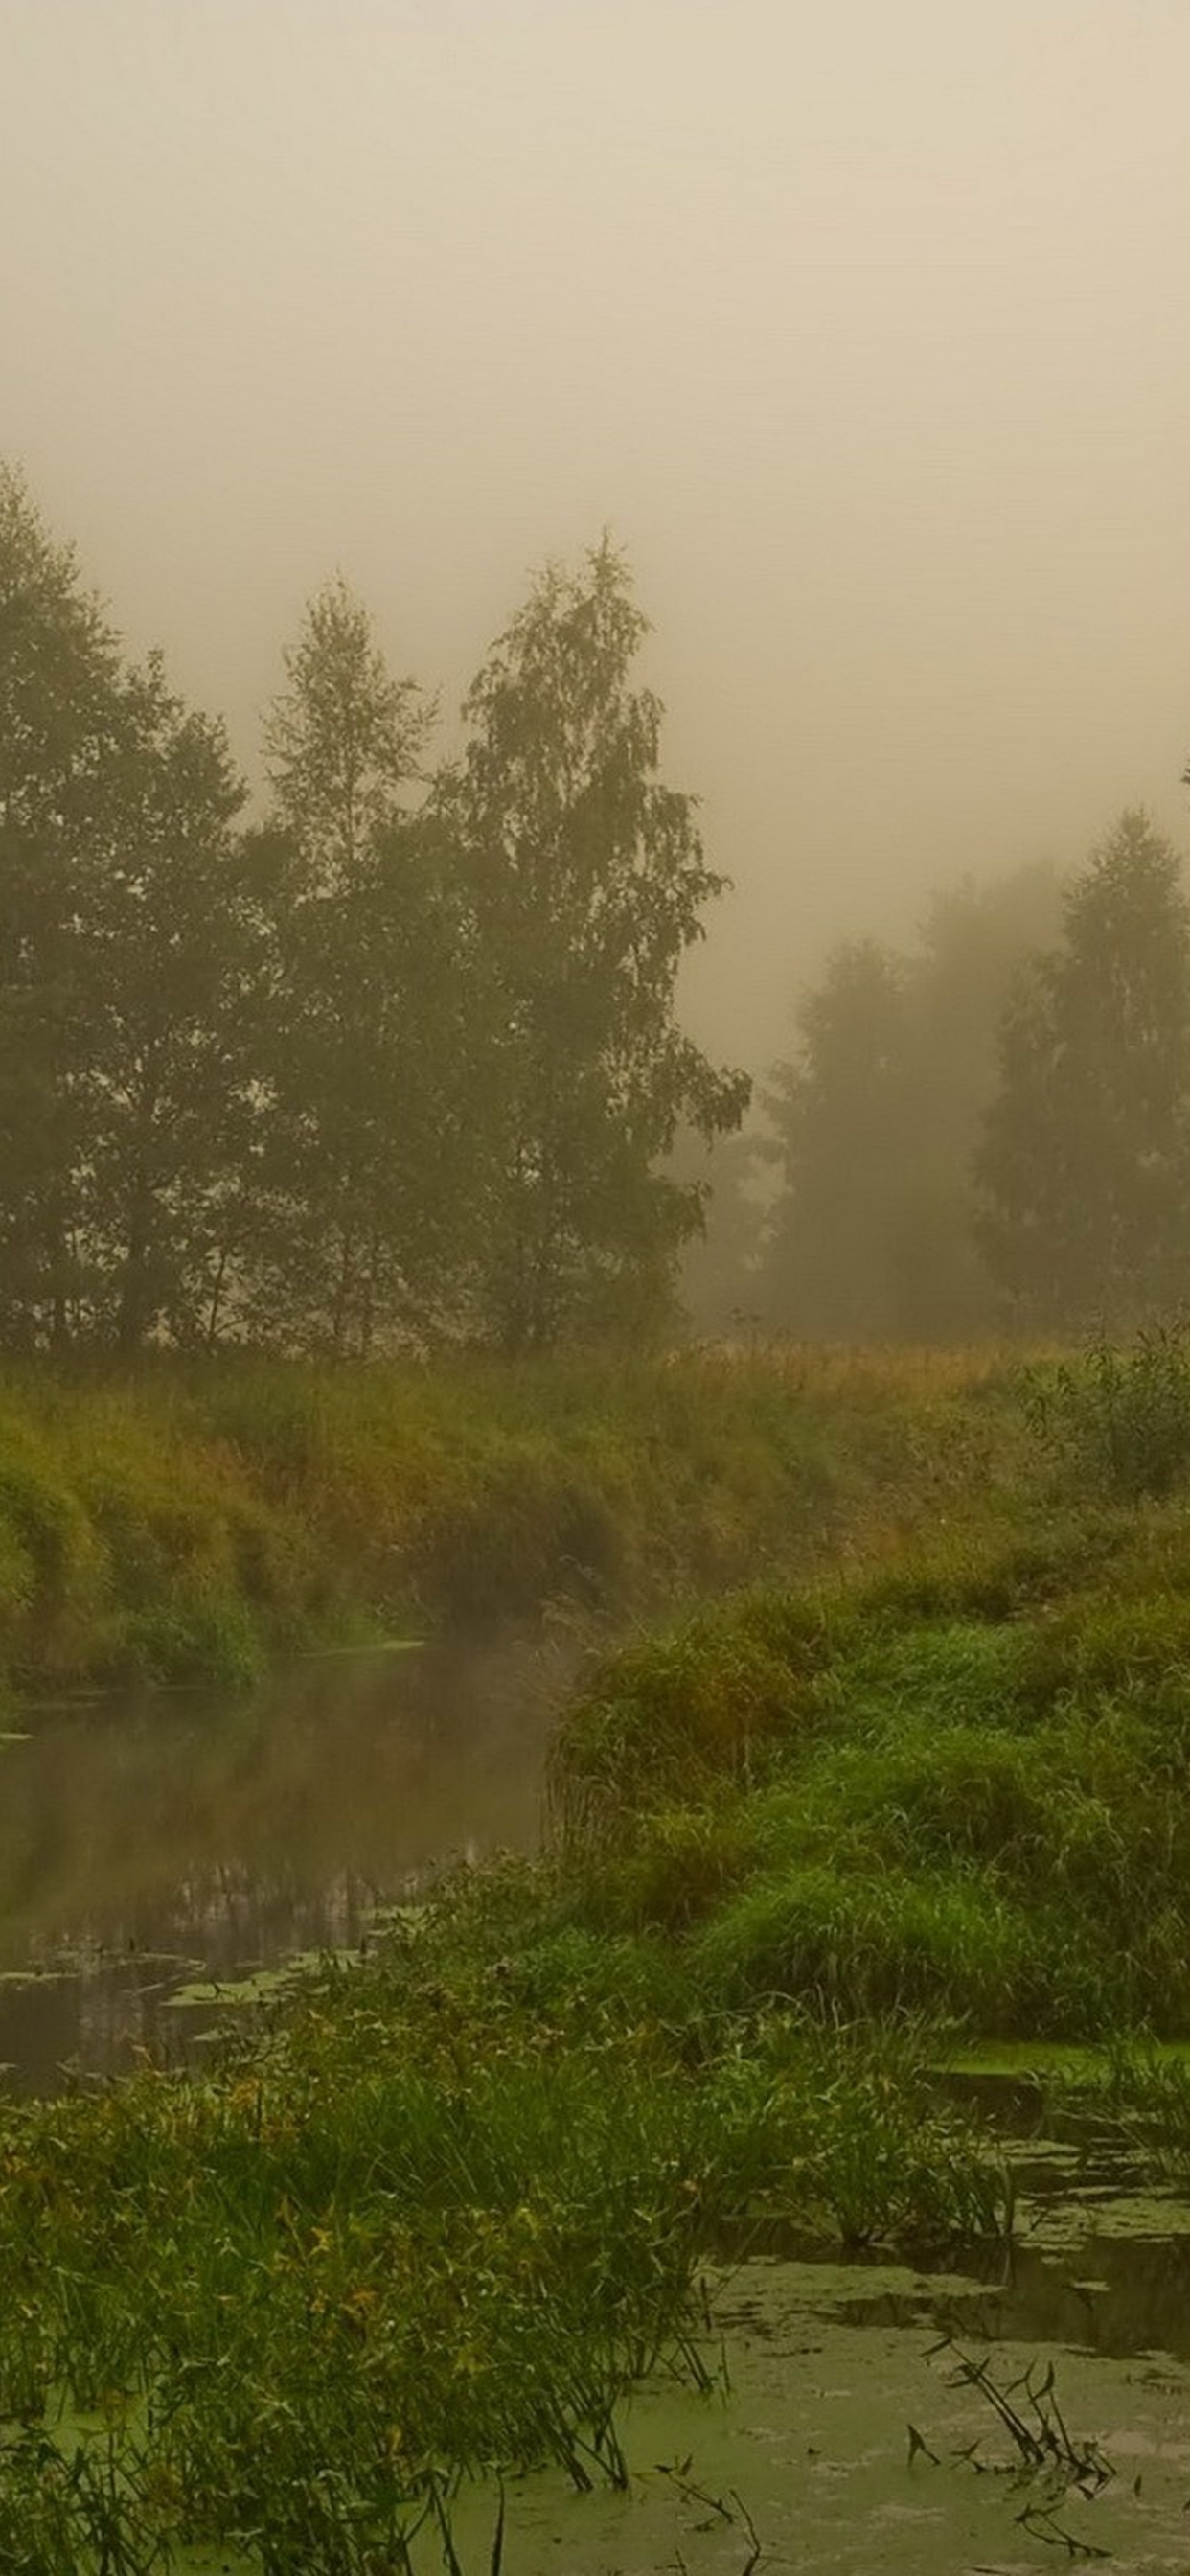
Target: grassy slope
{"points": [[190, 1524], [960, 1784]]}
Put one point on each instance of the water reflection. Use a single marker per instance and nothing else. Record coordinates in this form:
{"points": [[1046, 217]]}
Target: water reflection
{"points": [[142, 1841]]}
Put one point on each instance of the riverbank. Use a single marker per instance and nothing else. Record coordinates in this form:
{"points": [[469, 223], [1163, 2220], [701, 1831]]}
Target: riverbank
{"points": [[959, 1785], [197, 1524]]}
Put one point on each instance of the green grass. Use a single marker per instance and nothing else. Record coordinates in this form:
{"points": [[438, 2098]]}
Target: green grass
{"points": [[193, 1522], [961, 1785]]}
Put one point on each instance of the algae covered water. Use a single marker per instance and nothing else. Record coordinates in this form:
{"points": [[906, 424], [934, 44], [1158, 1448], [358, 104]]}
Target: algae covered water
{"points": [[150, 1842], [990, 2419]]}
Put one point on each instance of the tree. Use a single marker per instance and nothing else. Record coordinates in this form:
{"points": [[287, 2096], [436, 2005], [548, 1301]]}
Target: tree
{"points": [[363, 1136], [837, 1112], [63, 749], [582, 881], [877, 1116], [974, 941], [1085, 1163], [343, 742], [173, 953], [719, 1277]]}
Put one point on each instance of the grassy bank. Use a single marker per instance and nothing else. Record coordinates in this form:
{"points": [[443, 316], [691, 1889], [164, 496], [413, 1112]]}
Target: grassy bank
{"points": [[960, 1785], [192, 1524]]}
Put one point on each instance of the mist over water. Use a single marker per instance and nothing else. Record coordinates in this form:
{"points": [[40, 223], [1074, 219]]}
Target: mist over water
{"points": [[860, 327], [150, 1839]]}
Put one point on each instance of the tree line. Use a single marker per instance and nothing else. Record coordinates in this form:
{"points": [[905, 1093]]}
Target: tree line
{"points": [[990, 1132], [395, 1057]]}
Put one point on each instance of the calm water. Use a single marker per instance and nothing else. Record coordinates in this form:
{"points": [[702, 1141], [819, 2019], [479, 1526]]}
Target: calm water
{"points": [[147, 1841]]}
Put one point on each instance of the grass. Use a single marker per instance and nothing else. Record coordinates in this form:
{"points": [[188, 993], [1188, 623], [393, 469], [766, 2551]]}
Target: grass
{"points": [[191, 1523], [958, 1785]]}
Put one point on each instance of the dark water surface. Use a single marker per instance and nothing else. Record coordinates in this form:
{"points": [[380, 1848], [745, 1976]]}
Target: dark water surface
{"points": [[147, 1841]]}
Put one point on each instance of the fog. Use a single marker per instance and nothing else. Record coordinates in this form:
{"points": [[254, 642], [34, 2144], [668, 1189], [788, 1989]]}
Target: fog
{"points": [[862, 327]]}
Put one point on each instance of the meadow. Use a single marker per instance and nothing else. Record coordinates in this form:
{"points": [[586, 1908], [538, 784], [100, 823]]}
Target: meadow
{"points": [[434, 2212]]}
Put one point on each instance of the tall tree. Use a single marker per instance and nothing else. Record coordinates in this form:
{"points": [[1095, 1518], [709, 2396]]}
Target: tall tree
{"points": [[63, 749], [583, 882], [719, 1280], [361, 1168], [1085, 1163], [167, 1096], [343, 741]]}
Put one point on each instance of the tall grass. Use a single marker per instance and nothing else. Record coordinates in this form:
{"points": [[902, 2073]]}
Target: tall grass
{"points": [[191, 1522]]}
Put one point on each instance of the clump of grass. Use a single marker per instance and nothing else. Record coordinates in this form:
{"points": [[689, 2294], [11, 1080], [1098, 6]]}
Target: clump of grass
{"points": [[1117, 1419], [677, 1714]]}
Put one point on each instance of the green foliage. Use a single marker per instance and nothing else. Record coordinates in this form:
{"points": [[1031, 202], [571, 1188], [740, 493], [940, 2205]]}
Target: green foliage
{"points": [[364, 1152], [583, 882], [64, 726], [401, 1064], [342, 742], [931, 1794]]}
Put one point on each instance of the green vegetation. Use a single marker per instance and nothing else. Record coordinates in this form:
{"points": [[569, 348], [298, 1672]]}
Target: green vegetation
{"points": [[439, 2219], [188, 1523], [433, 2213], [959, 1785], [1118, 1421]]}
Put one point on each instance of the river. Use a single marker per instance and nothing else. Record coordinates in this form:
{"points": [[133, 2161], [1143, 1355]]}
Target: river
{"points": [[147, 1840]]}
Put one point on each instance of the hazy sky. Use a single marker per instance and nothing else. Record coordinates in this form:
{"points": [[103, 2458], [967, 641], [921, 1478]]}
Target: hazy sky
{"points": [[864, 324]]}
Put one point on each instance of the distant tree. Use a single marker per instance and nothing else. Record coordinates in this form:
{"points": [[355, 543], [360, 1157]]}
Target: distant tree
{"points": [[582, 881], [876, 1118], [719, 1282], [1085, 1163], [364, 1139], [973, 943], [836, 1109]]}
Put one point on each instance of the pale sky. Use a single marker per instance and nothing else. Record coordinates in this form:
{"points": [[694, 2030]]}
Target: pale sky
{"points": [[864, 324]]}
